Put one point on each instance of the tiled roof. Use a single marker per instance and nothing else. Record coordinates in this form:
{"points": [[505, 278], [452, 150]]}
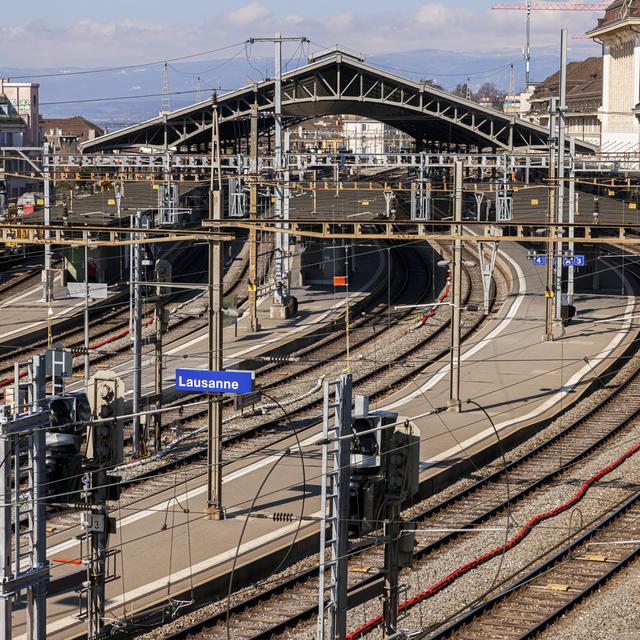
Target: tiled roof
{"points": [[584, 84], [618, 10]]}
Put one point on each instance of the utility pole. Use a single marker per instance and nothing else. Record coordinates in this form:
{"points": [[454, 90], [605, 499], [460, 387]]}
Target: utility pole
{"points": [[47, 290], [103, 452], [560, 198], [572, 219], [549, 293], [23, 553], [527, 50], [392, 532], [86, 311], [136, 277], [95, 523], [282, 211], [335, 510], [118, 191], [280, 292], [456, 311], [157, 419], [214, 508], [253, 215], [400, 469]]}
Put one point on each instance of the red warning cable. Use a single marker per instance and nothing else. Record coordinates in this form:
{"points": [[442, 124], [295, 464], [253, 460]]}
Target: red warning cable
{"points": [[489, 555], [95, 345]]}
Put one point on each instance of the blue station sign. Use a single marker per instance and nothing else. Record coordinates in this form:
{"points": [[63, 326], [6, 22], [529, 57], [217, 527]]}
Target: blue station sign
{"points": [[214, 381], [573, 261]]}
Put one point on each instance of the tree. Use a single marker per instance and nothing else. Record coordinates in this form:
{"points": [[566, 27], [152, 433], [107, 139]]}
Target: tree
{"points": [[463, 90], [489, 91], [432, 83]]}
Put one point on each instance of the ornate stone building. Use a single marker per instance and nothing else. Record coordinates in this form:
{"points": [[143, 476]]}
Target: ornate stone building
{"points": [[619, 32]]}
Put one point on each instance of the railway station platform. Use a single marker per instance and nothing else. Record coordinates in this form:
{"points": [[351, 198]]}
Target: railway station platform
{"points": [[520, 381], [317, 305], [26, 312]]}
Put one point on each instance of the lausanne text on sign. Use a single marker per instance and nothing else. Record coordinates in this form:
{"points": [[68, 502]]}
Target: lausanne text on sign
{"points": [[214, 381]]}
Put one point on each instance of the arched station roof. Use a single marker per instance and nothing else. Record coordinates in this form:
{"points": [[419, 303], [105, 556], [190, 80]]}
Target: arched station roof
{"points": [[337, 83]]}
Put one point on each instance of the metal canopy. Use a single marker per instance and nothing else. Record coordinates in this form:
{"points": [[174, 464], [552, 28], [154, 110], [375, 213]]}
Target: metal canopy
{"points": [[337, 84]]}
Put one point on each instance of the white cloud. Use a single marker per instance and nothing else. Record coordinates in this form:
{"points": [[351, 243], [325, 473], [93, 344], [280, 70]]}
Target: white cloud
{"points": [[434, 25], [434, 15], [249, 14], [341, 21], [293, 20]]}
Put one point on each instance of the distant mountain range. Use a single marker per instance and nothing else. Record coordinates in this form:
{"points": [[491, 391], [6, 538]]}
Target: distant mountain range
{"points": [[68, 95]]}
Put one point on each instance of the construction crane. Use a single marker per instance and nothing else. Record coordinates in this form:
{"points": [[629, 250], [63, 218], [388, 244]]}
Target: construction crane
{"points": [[530, 6]]}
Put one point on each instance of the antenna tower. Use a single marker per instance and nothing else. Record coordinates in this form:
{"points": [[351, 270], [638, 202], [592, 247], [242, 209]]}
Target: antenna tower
{"points": [[166, 98], [529, 6]]}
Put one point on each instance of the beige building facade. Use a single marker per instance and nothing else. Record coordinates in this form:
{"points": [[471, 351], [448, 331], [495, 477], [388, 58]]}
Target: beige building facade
{"points": [[619, 32]]}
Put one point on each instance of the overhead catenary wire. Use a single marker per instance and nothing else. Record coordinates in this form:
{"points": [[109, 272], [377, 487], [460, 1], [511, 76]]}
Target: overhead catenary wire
{"points": [[126, 67]]}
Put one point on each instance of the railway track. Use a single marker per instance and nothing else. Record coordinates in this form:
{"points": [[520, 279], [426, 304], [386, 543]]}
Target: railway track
{"points": [[110, 322], [291, 601], [569, 576], [248, 442], [241, 441], [17, 275]]}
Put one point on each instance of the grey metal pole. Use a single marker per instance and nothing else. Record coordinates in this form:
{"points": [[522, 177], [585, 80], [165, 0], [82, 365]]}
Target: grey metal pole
{"points": [[38, 457], [456, 311], [560, 198], [527, 51], [342, 470], [137, 337], [325, 513], [47, 289], [392, 528], [5, 531], [253, 215], [286, 266], [572, 219], [279, 191], [86, 311], [550, 217], [117, 188], [157, 444], [215, 509]]}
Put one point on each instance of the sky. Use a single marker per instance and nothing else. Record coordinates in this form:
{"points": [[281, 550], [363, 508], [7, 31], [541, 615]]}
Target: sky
{"points": [[78, 33]]}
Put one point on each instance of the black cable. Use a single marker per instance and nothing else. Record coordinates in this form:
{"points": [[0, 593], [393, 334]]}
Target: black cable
{"points": [[131, 66], [244, 526]]}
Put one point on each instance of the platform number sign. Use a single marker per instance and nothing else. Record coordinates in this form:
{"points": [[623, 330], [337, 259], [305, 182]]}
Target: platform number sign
{"points": [[540, 261], [573, 261]]}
